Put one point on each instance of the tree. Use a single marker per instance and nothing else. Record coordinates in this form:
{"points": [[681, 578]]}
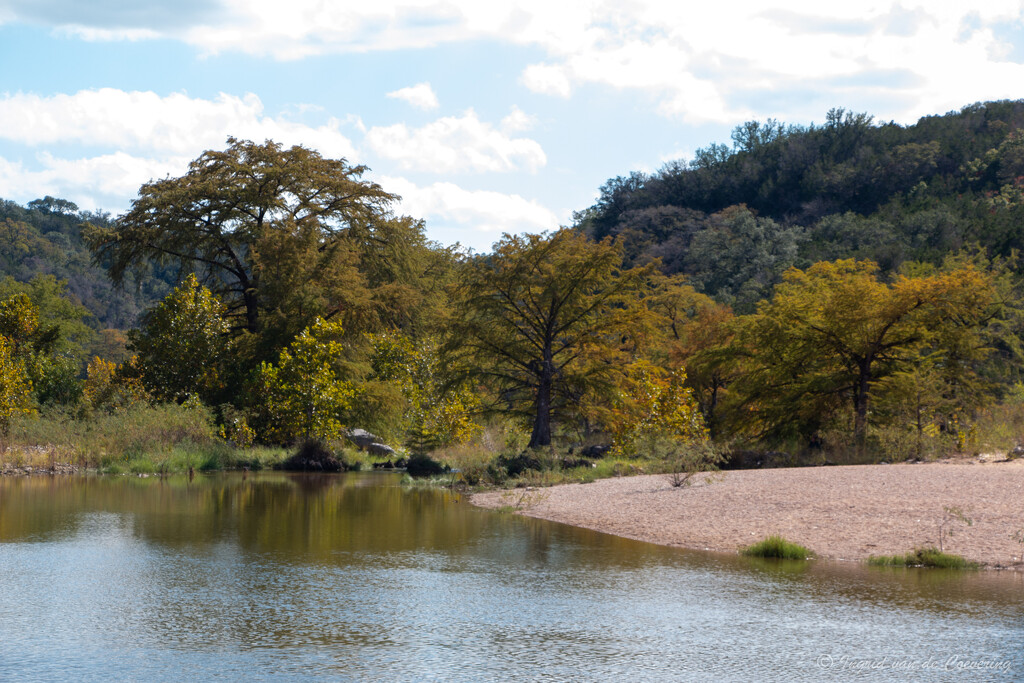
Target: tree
{"points": [[833, 332], [739, 257], [304, 394], [182, 344], [542, 317], [15, 386], [698, 333], [238, 212], [437, 410]]}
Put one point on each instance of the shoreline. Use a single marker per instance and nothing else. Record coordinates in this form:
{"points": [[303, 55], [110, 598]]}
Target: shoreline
{"points": [[844, 513]]}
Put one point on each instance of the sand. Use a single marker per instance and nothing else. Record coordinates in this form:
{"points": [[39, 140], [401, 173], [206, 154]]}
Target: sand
{"points": [[841, 513]]}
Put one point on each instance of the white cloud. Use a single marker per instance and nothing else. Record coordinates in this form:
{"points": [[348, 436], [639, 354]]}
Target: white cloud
{"points": [[547, 79], [420, 96], [453, 145], [172, 124], [517, 120], [105, 182], [476, 218], [696, 61]]}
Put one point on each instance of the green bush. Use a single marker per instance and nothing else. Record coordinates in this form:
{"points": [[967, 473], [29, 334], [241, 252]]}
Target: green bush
{"points": [[777, 547], [923, 557]]}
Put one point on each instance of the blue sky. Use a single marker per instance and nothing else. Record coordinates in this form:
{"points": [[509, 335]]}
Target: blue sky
{"points": [[487, 117]]}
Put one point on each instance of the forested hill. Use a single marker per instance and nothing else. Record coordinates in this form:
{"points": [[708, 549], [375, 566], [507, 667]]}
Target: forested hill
{"points": [[45, 238], [735, 217]]}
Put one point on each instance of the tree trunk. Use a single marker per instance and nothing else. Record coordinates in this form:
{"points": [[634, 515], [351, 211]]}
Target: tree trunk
{"points": [[541, 435], [860, 406], [251, 311]]}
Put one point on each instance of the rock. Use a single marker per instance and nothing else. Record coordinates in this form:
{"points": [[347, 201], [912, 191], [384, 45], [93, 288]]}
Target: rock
{"points": [[424, 466], [362, 438], [753, 459], [570, 463], [1015, 452], [380, 449], [595, 452], [518, 464]]}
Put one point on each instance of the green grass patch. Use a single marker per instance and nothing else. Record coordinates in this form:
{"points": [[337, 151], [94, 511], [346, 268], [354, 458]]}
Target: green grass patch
{"points": [[922, 557], [777, 547]]}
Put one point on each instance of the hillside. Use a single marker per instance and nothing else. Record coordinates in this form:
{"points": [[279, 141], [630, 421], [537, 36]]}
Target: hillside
{"points": [[45, 238], [735, 217]]}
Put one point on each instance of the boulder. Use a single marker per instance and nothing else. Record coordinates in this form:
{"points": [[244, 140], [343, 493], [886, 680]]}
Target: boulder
{"points": [[595, 452], [362, 438], [1015, 452], [517, 464], [380, 449]]}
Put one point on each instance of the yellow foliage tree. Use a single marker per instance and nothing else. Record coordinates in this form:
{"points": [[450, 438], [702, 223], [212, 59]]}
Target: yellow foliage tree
{"points": [[832, 333], [15, 386], [111, 386], [655, 414], [438, 413], [304, 395]]}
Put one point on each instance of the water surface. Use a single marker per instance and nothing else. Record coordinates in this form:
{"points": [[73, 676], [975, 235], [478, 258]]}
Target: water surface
{"points": [[354, 577]]}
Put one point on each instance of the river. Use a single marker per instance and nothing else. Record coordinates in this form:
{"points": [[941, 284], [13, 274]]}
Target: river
{"points": [[354, 577]]}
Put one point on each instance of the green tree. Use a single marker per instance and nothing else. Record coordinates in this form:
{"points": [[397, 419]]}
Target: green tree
{"points": [[738, 257], [38, 338], [238, 214], [542, 318], [182, 344], [304, 395]]}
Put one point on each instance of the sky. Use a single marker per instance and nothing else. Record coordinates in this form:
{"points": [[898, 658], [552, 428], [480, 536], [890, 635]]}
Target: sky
{"points": [[487, 117]]}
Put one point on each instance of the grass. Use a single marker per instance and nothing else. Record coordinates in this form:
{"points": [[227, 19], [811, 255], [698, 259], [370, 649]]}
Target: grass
{"points": [[922, 557], [777, 547], [142, 440]]}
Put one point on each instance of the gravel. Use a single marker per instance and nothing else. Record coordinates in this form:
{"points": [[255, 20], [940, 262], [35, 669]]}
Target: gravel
{"points": [[842, 513]]}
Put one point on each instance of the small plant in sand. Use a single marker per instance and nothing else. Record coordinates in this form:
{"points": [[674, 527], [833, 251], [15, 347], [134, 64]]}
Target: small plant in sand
{"points": [[521, 499], [951, 515], [923, 557], [688, 460], [777, 547], [1018, 536]]}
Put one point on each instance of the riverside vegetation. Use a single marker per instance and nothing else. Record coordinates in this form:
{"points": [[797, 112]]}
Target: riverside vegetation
{"points": [[841, 293]]}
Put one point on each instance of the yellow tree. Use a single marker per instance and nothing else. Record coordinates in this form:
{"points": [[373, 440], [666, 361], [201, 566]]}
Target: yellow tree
{"points": [[831, 333], [15, 386], [438, 408], [697, 332], [541, 317], [654, 411]]}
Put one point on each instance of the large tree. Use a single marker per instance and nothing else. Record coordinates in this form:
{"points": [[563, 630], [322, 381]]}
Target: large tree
{"points": [[832, 333], [239, 215], [539, 316]]}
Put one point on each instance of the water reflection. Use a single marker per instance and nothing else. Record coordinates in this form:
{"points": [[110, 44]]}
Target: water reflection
{"points": [[353, 576]]}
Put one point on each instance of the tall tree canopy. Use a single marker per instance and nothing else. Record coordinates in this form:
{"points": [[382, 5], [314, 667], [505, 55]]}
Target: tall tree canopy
{"points": [[831, 333], [239, 216], [539, 316]]}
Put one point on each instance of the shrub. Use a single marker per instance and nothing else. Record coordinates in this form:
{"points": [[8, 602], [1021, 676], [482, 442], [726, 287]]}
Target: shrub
{"points": [[424, 466], [929, 556], [313, 456], [777, 547]]}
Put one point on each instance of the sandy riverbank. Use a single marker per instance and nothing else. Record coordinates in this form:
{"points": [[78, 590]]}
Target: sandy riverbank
{"points": [[843, 513]]}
